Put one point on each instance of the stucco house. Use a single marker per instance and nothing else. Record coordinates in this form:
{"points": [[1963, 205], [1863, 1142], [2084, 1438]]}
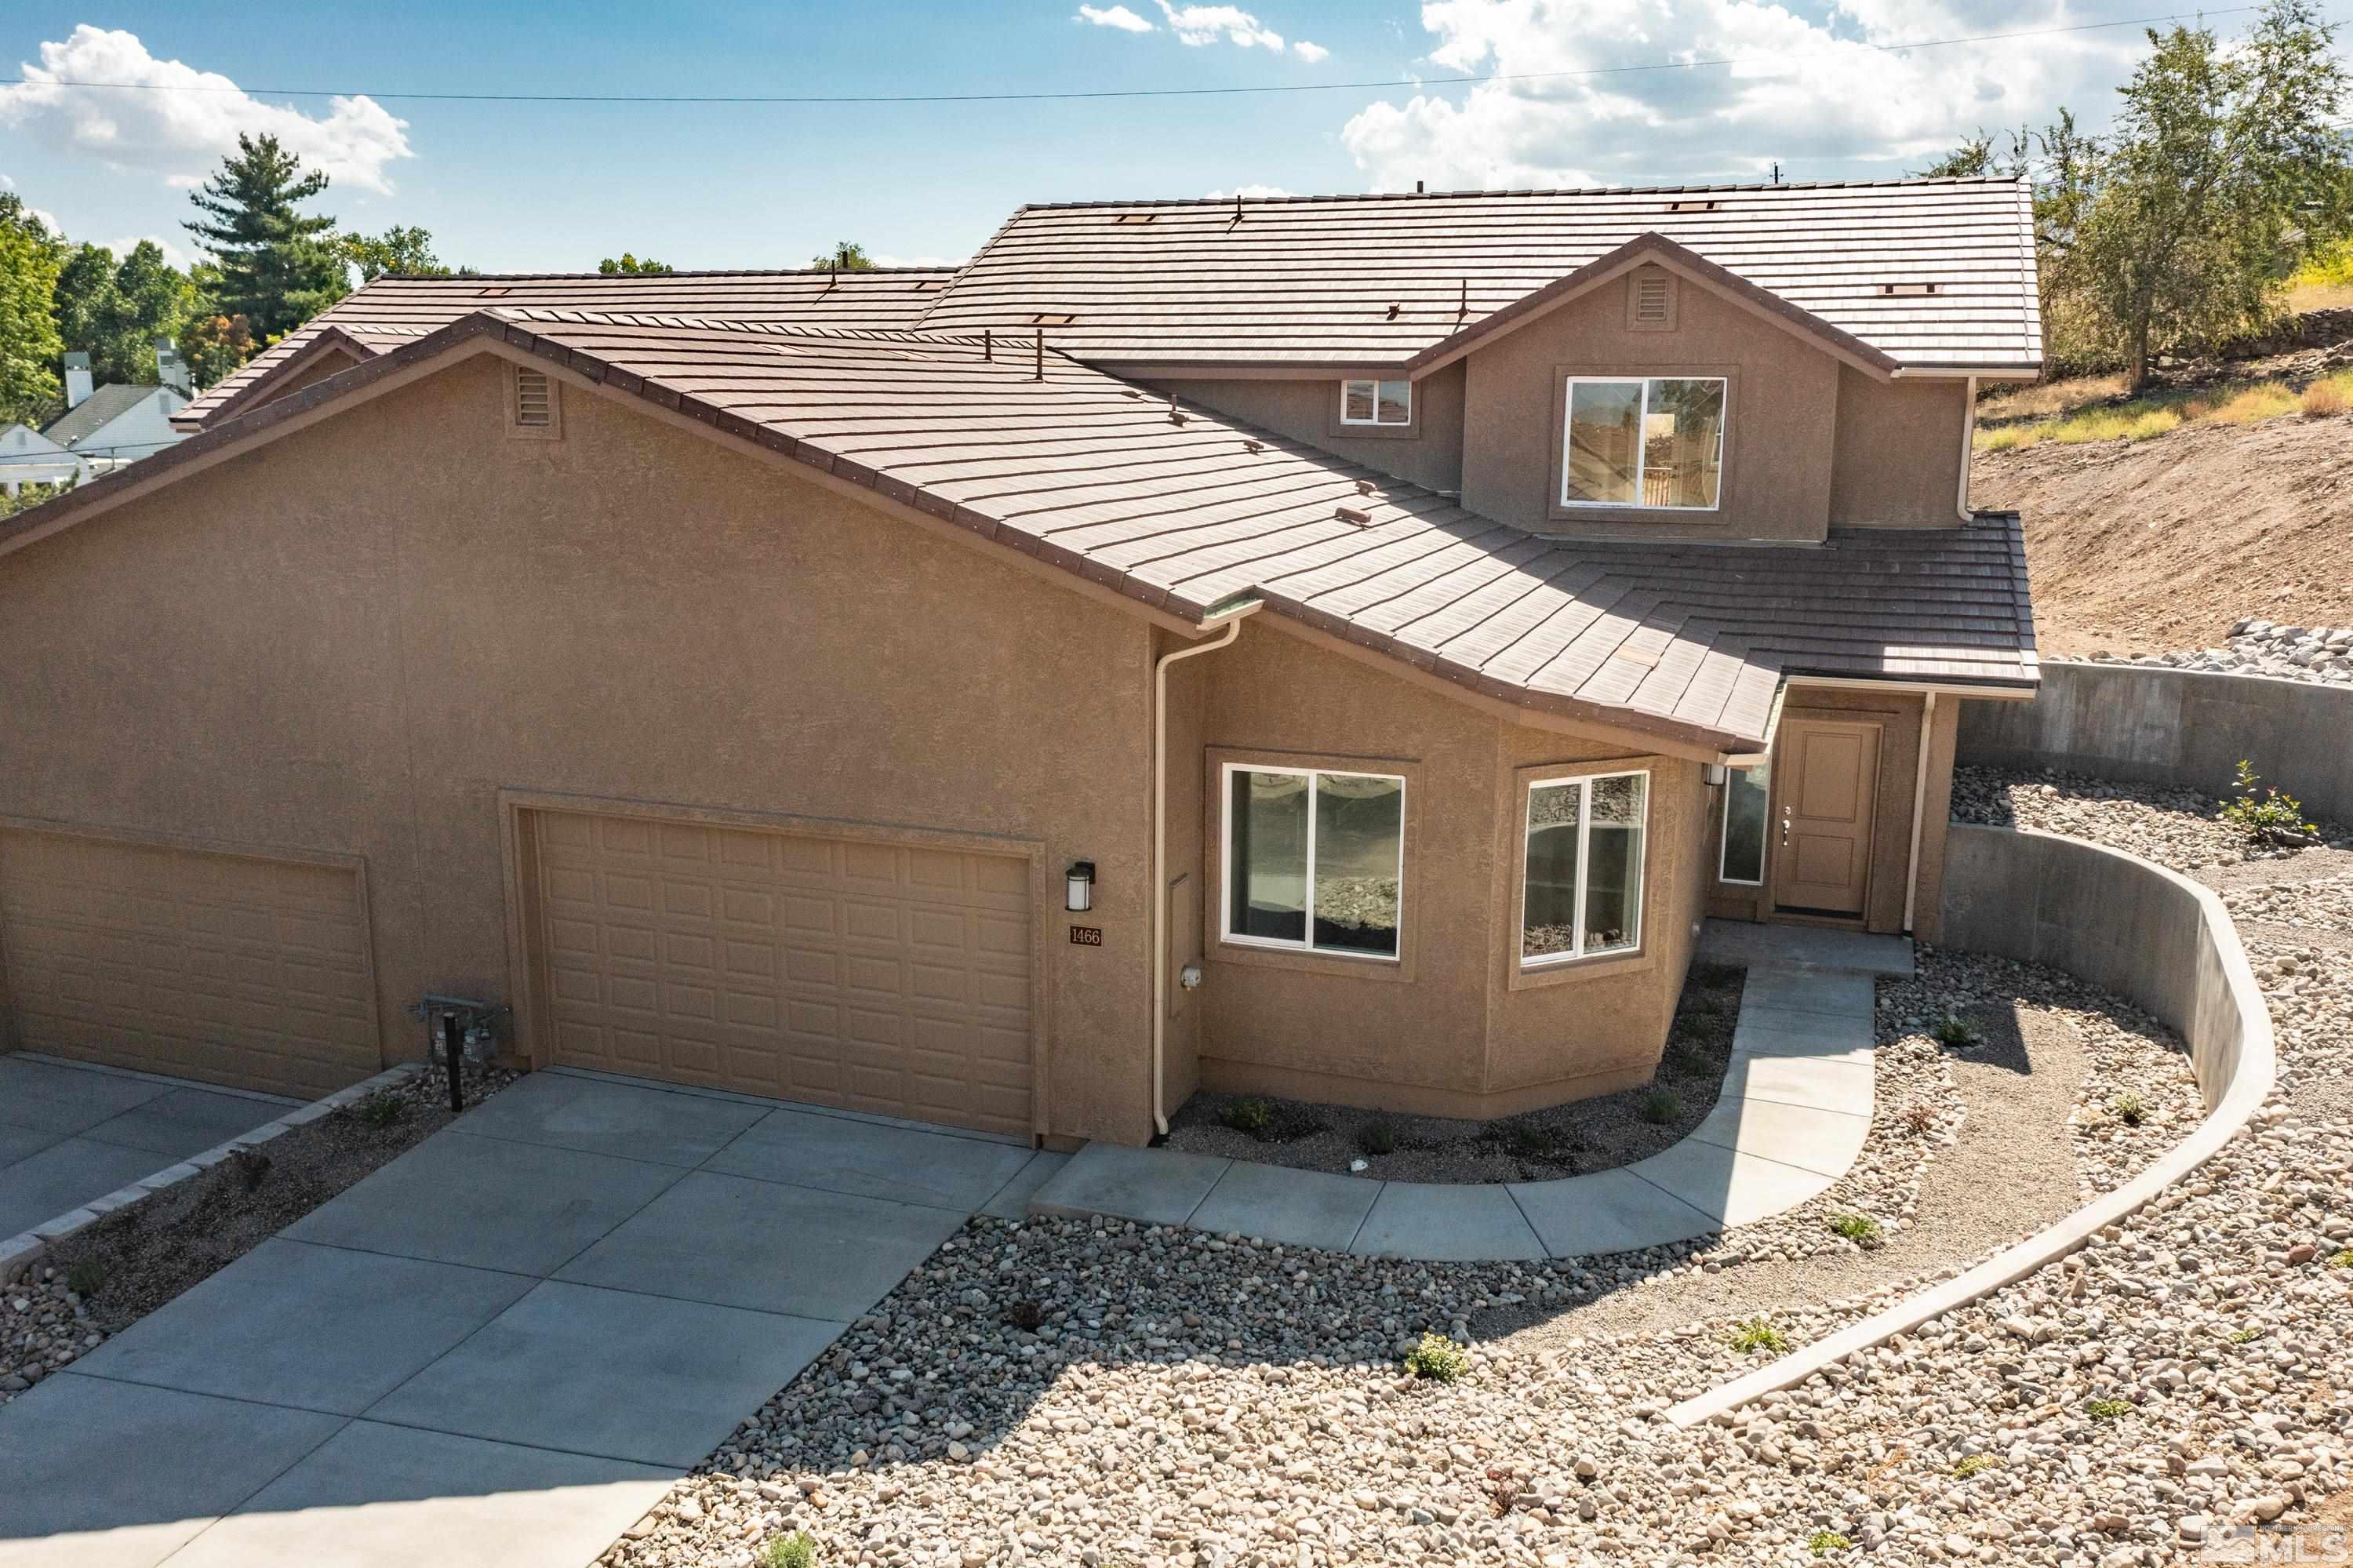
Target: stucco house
{"points": [[1339, 648]]}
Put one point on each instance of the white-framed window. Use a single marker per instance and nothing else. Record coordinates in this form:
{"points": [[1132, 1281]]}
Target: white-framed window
{"points": [[1655, 442], [1581, 888], [1747, 792], [1314, 860], [1370, 402]]}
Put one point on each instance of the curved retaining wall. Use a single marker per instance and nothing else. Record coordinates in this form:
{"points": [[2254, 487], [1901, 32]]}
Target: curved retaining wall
{"points": [[2181, 727], [2147, 934]]}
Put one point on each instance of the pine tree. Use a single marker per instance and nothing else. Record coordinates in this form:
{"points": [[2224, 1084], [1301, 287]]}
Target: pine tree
{"points": [[279, 266]]}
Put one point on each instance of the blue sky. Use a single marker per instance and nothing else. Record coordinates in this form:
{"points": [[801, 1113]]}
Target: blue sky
{"points": [[541, 187]]}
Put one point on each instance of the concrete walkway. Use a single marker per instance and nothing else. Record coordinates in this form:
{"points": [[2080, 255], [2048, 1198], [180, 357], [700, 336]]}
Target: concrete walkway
{"points": [[71, 1131], [501, 1348], [1796, 1106]]}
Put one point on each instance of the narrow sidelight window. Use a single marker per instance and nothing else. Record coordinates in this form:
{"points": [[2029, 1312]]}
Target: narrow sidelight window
{"points": [[1376, 403], [1655, 443], [1746, 791], [1582, 892], [1314, 860]]}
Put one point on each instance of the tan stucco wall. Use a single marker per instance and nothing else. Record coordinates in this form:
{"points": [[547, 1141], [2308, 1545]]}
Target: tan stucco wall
{"points": [[1783, 405], [1427, 453], [1899, 452], [350, 640]]}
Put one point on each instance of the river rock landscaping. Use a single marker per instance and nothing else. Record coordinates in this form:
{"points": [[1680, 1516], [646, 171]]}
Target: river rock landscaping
{"points": [[2257, 647], [1178, 1398]]}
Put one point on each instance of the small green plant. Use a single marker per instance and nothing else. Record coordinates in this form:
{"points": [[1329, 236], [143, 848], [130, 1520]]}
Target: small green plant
{"points": [[795, 1551], [1248, 1114], [1660, 1107], [1857, 1228], [85, 1278], [1378, 1137], [2129, 1108], [1758, 1334], [382, 1109], [1822, 1543], [1955, 1030], [1437, 1358], [2270, 817], [2343, 1259], [2246, 1336], [2105, 1409], [1975, 1464]]}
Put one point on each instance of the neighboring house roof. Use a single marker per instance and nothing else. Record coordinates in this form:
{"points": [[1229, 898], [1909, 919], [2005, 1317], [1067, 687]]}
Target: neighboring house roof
{"points": [[1306, 282], [393, 311], [21, 440], [1186, 511], [101, 408]]}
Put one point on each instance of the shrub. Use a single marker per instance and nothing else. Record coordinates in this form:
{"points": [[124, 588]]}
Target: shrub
{"points": [[382, 1109], [1248, 1114], [1437, 1358], [1758, 1334], [1378, 1137], [1955, 1030], [1660, 1107], [1975, 1464], [2324, 399], [2272, 818], [1855, 1227], [2129, 1108], [1822, 1543], [2105, 1409], [85, 1278], [795, 1551], [1918, 1117]]}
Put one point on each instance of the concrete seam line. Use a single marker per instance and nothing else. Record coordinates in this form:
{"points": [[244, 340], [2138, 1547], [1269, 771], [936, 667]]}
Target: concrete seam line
{"points": [[2255, 1069]]}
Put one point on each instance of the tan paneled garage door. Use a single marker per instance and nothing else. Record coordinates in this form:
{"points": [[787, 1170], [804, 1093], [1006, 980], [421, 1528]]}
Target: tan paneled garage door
{"points": [[233, 970], [876, 977]]}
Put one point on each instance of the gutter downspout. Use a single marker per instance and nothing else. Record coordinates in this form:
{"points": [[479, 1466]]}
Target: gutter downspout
{"points": [[1920, 796], [1234, 620], [1968, 449]]}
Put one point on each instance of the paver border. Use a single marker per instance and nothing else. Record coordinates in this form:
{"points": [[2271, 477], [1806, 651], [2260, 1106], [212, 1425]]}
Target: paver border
{"points": [[20, 1253], [2233, 1052]]}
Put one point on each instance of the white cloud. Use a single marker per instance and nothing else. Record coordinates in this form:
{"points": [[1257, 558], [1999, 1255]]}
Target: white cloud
{"points": [[180, 134], [1251, 192], [1119, 16], [1310, 53], [1200, 24], [172, 254], [1816, 97]]}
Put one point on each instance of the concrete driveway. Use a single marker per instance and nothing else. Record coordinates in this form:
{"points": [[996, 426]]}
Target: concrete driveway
{"points": [[501, 1348]]}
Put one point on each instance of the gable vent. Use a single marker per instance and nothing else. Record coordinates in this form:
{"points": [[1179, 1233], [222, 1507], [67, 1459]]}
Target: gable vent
{"points": [[1653, 306], [532, 407], [1691, 206], [1907, 288]]}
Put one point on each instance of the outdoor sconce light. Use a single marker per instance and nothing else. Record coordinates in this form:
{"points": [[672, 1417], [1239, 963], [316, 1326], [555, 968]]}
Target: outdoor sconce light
{"points": [[1083, 886], [1714, 773]]}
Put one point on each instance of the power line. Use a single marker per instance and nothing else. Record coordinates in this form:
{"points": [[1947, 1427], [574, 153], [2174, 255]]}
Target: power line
{"points": [[1098, 94]]}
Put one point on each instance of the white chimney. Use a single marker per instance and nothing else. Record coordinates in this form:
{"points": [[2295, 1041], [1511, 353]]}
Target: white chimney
{"points": [[171, 370], [78, 385]]}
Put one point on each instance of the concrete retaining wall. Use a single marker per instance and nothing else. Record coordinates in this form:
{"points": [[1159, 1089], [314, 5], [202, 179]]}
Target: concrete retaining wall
{"points": [[2147, 934], [2175, 726]]}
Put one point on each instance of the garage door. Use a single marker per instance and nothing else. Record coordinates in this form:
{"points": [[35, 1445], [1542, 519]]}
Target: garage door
{"points": [[874, 977], [236, 971]]}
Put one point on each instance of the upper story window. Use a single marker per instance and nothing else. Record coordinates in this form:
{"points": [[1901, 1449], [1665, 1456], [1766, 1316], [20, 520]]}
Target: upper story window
{"points": [[1376, 403], [1314, 860], [1654, 442], [1581, 891]]}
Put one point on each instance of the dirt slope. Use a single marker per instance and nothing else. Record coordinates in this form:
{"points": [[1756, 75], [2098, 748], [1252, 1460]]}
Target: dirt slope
{"points": [[2147, 547]]}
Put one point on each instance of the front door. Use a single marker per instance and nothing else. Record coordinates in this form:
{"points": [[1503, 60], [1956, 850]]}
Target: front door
{"points": [[1828, 776]]}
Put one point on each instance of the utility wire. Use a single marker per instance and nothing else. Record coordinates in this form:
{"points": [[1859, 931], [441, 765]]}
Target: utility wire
{"points": [[1100, 93]]}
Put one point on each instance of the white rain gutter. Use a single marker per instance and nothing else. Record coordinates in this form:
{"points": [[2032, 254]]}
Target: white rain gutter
{"points": [[1919, 807], [1233, 618], [1968, 449]]}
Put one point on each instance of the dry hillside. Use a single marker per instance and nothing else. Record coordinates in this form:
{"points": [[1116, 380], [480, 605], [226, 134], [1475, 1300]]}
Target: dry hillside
{"points": [[2150, 545]]}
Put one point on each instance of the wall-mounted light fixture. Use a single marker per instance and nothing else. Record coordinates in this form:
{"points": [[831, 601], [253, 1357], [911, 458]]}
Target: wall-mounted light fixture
{"points": [[1083, 886], [1714, 773]]}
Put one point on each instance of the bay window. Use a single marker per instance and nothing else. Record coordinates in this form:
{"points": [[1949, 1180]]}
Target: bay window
{"points": [[1314, 860], [1582, 892], [1653, 442]]}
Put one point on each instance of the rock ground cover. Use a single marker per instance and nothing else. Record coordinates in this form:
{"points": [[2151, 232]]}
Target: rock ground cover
{"points": [[1189, 1400], [108, 1275], [2257, 647]]}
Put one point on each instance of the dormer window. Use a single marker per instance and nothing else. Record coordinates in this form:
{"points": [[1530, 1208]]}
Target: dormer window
{"points": [[1375, 402]]}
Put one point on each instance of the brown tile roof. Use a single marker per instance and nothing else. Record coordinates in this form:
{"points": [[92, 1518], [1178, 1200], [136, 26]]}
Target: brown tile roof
{"points": [[1185, 511], [1311, 280], [391, 311]]}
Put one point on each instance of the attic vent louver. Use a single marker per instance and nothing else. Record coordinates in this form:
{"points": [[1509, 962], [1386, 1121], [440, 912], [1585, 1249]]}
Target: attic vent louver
{"points": [[1691, 206], [1050, 319], [1653, 305], [534, 410], [1135, 218], [1907, 288]]}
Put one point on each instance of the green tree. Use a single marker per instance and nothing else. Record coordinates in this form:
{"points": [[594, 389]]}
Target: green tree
{"points": [[846, 256], [2225, 166], [30, 255], [626, 263], [397, 251], [114, 311], [279, 266]]}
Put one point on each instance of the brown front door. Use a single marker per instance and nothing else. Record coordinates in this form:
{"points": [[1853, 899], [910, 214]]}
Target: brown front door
{"points": [[1828, 775]]}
